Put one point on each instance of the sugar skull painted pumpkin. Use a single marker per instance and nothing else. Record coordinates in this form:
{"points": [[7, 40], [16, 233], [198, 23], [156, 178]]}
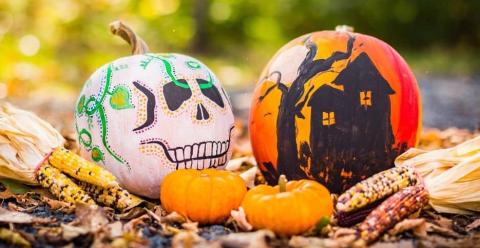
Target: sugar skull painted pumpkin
{"points": [[334, 106], [146, 115]]}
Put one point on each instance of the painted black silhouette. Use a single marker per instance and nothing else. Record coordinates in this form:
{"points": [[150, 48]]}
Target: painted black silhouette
{"points": [[291, 104], [351, 134], [330, 125]]}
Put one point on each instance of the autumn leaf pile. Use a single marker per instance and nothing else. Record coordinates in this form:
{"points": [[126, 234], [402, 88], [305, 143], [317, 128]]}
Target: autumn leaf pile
{"points": [[31, 217]]}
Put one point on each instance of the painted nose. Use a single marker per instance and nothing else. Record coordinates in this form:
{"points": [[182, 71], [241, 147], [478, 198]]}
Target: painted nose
{"points": [[202, 113]]}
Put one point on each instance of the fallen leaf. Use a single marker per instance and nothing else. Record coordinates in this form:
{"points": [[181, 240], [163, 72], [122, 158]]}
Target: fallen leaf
{"points": [[134, 223], [92, 218], [236, 163], [432, 228], [191, 226], [186, 239], [174, 217], [115, 229], [240, 219], [70, 232], [59, 205], [258, 239], [15, 187], [20, 218], [440, 220], [475, 224], [131, 213], [249, 176], [418, 226], [154, 216], [13, 238], [341, 232]]}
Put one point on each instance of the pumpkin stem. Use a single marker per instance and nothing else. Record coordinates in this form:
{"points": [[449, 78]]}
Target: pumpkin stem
{"points": [[123, 30], [343, 28], [282, 183]]}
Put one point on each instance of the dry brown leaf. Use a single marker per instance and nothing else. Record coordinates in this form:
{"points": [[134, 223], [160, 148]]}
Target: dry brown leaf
{"points": [[191, 226], [174, 217], [300, 241], [236, 164], [115, 229], [418, 226], [440, 220], [132, 224], [240, 219], [154, 216], [474, 225], [186, 239], [341, 231], [92, 218], [59, 205], [70, 232], [7, 216], [249, 176], [132, 213], [258, 239], [432, 228]]}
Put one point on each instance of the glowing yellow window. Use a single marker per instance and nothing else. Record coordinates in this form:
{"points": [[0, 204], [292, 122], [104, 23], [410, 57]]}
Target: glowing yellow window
{"points": [[328, 118], [366, 98]]}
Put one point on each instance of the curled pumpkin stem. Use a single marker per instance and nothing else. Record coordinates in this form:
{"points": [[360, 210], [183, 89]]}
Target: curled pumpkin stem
{"points": [[123, 30], [282, 183]]}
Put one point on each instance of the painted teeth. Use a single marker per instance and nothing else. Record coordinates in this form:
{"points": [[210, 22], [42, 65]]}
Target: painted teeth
{"points": [[196, 156], [187, 152], [202, 163]]}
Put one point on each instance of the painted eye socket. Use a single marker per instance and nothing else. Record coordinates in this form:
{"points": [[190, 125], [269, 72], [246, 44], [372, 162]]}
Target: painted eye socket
{"points": [[210, 91], [176, 93]]}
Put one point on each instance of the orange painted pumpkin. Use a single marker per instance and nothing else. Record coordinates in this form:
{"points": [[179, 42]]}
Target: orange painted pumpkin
{"points": [[204, 196], [288, 208], [334, 106]]}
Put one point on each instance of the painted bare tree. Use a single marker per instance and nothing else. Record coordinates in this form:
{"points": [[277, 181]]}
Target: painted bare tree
{"points": [[291, 105]]}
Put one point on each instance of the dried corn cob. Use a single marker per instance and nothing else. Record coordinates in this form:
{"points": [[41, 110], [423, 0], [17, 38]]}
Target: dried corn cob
{"points": [[81, 169], [113, 196], [348, 219], [395, 208], [61, 186], [376, 188]]}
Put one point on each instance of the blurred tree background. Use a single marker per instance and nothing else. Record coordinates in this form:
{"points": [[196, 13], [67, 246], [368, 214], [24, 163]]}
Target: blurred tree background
{"points": [[53, 46]]}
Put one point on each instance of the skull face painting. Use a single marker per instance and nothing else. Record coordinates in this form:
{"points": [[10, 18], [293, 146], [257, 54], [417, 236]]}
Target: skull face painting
{"points": [[144, 116]]}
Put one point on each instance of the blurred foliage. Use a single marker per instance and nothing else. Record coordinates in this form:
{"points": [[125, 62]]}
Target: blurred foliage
{"points": [[50, 45]]}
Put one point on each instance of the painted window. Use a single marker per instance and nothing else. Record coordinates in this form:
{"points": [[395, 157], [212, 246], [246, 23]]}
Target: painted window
{"points": [[328, 118], [366, 98]]}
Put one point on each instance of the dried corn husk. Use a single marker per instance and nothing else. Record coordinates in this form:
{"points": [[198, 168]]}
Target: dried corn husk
{"points": [[25, 141], [451, 176]]}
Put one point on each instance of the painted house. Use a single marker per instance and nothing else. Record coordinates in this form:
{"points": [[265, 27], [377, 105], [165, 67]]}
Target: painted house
{"points": [[351, 129]]}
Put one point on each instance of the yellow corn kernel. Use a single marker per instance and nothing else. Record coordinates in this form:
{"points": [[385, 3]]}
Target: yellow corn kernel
{"points": [[81, 169], [114, 196], [376, 187], [62, 186]]}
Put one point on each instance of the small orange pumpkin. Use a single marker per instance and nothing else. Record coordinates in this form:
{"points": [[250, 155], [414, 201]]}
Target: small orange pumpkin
{"points": [[288, 208], [204, 196]]}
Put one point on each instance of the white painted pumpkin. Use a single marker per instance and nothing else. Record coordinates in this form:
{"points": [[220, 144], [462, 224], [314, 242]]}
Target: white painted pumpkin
{"points": [[146, 115]]}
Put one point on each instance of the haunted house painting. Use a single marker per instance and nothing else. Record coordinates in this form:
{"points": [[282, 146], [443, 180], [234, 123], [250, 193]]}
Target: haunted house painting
{"points": [[351, 133]]}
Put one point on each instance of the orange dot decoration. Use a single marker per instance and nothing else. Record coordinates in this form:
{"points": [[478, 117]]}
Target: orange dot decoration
{"points": [[333, 106]]}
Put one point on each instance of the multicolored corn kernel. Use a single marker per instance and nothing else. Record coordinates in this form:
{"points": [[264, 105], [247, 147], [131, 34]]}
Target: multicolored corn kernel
{"points": [[114, 196], [81, 169], [394, 209], [62, 186], [376, 187]]}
